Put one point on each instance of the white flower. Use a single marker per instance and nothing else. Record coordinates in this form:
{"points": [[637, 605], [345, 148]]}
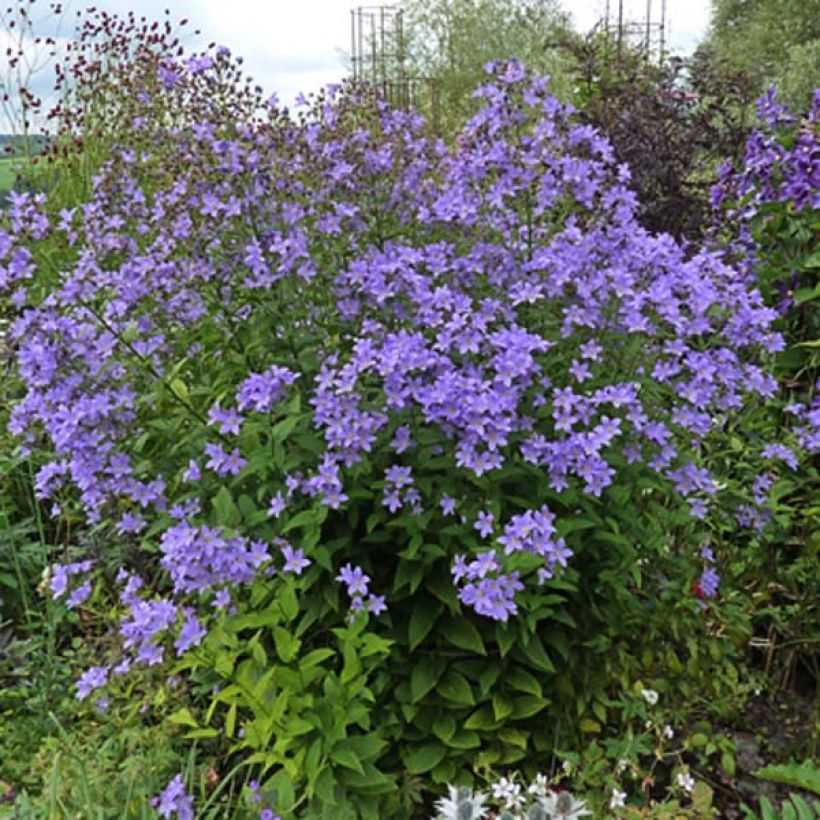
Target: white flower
{"points": [[668, 732], [504, 789], [539, 786], [650, 696], [567, 767], [617, 800], [686, 781]]}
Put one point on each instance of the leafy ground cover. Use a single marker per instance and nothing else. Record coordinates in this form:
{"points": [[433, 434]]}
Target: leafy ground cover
{"points": [[348, 472]]}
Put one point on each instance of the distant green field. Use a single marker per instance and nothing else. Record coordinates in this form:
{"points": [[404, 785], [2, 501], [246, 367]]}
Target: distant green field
{"points": [[7, 173]]}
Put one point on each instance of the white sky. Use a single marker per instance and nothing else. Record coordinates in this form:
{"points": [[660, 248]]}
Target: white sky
{"points": [[299, 45]]}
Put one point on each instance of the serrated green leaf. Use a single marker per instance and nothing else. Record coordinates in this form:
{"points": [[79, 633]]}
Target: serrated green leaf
{"points": [[424, 677], [527, 705], [482, 718], [183, 717], [342, 754], [226, 511], [533, 650], [288, 601], [425, 612], [422, 759], [502, 707], [465, 739], [455, 687], [521, 680], [444, 726], [802, 775], [461, 633]]}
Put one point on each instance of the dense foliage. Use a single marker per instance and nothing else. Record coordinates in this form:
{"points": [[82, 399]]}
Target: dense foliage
{"points": [[773, 42]]}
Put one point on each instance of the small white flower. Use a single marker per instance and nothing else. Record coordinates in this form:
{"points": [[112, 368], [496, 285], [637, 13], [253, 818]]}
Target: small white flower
{"points": [[567, 767], [540, 785], [686, 781], [617, 800], [668, 732], [503, 789], [514, 799], [650, 696]]}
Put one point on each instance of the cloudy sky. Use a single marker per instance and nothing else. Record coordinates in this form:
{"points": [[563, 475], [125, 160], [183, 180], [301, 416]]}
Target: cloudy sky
{"points": [[299, 45]]}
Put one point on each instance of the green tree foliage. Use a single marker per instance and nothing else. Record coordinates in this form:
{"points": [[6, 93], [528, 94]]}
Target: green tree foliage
{"points": [[778, 41], [452, 40]]}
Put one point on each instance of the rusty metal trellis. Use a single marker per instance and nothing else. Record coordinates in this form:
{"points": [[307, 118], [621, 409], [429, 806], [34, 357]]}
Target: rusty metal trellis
{"points": [[647, 34], [378, 57]]}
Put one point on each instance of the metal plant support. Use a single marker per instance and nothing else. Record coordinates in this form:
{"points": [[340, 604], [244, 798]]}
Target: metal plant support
{"points": [[647, 34], [378, 57]]}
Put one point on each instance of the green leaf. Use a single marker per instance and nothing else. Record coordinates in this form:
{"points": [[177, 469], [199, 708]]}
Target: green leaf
{"points": [[183, 717], [527, 705], [519, 679], [324, 787], [767, 811], [441, 585], [372, 782], [424, 677], [305, 518], [444, 726], [802, 775], [461, 633], [230, 721], [315, 657], [482, 718], [454, 687], [287, 646], [282, 429], [502, 707], [465, 739], [807, 294], [812, 261], [201, 733], [288, 601], [342, 754], [804, 810], [424, 758], [425, 613], [227, 513], [533, 650], [702, 796]]}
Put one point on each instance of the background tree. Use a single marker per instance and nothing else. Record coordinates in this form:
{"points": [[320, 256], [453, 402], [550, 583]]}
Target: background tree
{"points": [[776, 41], [452, 40]]}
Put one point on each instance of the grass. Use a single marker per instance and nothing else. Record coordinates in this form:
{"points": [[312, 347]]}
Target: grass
{"points": [[8, 166]]}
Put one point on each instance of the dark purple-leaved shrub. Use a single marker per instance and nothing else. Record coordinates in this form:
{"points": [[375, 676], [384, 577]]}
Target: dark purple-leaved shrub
{"points": [[672, 123], [457, 396]]}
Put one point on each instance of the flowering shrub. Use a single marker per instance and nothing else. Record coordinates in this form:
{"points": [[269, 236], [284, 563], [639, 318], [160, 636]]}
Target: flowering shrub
{"points": [[268, 359], [766, 221]]}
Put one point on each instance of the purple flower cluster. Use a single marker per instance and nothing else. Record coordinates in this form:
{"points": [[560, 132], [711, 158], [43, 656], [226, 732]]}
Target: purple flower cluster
{"points": [[488, 590], [174, 801], [771, 172], [60, 577], [358, 589], [261, 391], [499, 300]]}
